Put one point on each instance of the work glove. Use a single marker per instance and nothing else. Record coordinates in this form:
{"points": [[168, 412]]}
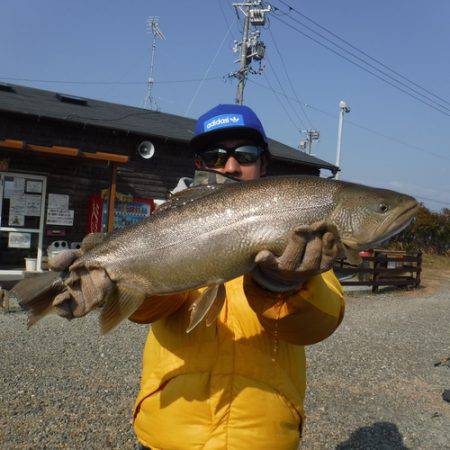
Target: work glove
{"points": [[311, 250], [87, 289]]}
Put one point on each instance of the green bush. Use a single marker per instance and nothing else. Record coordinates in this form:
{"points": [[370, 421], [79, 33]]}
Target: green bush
{"points": [[430, 232]]}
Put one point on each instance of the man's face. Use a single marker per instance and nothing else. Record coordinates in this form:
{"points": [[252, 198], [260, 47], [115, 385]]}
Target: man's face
{"points": [[244, 172]]}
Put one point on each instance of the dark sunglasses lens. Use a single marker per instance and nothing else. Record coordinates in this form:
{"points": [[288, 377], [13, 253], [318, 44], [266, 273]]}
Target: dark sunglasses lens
{"points": [[215, 158], [247, 154]]}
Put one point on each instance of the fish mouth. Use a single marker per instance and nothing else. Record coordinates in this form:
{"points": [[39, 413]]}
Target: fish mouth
{"points": [[386, 229], [389, 229]]}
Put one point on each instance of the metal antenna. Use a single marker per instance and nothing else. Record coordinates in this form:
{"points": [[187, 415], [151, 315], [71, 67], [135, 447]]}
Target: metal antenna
{"points": [[153, 26], [251, 47]]}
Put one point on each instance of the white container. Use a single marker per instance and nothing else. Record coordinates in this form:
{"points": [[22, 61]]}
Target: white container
{"points": [[30, 264], [56, 247]]}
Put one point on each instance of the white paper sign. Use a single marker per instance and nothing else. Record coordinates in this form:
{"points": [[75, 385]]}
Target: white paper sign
{"points": [[16, 210], [14, 187], [57, 216], [33, 205], [58, 201], [16, 220], [34, 187], [9, 189], [19, 240]]}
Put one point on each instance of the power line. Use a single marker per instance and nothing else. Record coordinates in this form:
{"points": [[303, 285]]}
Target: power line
{"points": [[360, 66], [207, 70], [285, 96], [289, 79], [30, 80], [225, 17], [270, 87], [369, 64], [378, 133], [363, 127], [291, 8]]}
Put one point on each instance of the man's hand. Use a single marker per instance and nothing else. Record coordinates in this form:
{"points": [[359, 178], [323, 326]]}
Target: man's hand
{"points": [[86, 289], [310, 251]]}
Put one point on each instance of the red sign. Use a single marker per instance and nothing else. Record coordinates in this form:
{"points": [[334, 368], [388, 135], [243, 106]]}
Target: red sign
{"points": [[126, 212], [94, 224]]}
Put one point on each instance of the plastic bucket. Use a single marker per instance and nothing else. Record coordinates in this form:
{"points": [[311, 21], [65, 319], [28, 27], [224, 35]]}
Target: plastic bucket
{"points": [[30, 264]]}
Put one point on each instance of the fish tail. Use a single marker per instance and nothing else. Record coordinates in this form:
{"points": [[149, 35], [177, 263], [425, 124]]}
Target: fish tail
{"points": [[36, 294]]}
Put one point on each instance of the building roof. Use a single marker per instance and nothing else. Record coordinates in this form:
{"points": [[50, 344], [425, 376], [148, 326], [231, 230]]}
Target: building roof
{"points": [[59, 106]]}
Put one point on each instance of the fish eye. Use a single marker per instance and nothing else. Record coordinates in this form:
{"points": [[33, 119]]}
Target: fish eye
{"points": [[382, 207]]}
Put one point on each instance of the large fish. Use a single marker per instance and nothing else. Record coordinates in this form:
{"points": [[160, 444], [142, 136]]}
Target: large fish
{"points": [[206, 236]]}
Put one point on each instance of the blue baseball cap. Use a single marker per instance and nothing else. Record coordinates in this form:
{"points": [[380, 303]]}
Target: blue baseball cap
{"points": [[225, 121]]}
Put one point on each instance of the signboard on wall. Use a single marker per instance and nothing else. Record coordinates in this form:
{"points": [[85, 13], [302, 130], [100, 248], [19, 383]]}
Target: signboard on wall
{"points": [[126, 212], [19, 240], [58, 212]]}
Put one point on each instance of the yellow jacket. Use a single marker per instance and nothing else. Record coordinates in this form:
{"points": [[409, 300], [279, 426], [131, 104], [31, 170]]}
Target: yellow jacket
{"points": [[240, 383]]}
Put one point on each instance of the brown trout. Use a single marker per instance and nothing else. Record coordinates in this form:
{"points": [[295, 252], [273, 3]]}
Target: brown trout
{"points": [[206, 236]]}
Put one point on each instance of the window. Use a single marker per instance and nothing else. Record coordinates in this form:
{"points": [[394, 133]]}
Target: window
{"points": [[22, 205]]}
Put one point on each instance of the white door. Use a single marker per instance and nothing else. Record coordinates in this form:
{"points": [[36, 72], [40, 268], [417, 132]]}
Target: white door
{"points": [[22, 206]]}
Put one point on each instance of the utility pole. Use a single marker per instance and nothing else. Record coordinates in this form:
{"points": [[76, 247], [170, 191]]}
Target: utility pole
{"points": [[150, 101], [251, 47], [343, 109], [311, 136], [242, 72]]}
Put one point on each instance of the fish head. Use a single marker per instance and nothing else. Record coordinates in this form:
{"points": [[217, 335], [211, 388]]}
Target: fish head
{"points": [[366, 216]]}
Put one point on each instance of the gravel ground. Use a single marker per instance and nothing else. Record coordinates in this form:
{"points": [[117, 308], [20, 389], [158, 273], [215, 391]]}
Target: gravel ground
{"points": [[372, 385]]}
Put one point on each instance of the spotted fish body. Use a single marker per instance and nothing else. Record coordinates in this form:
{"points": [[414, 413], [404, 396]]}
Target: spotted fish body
{"points": [[213, 238], [210, 235]]}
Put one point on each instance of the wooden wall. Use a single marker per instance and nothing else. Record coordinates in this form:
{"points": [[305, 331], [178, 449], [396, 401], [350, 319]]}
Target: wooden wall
{"points": [[79, 179]]}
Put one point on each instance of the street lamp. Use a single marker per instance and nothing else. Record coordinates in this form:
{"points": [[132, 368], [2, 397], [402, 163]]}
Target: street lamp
{"points": [[343, 109]]}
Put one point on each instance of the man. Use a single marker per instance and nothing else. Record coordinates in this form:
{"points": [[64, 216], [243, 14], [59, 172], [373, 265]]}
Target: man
{"points": [[240, 383]]}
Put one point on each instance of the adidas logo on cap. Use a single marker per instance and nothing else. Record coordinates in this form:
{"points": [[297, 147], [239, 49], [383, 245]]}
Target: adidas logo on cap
{"points": [[224, 121]]}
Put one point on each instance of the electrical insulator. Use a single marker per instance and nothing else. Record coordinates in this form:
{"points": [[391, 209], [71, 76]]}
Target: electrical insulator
{"points": [[257, 17], [315, 135]]}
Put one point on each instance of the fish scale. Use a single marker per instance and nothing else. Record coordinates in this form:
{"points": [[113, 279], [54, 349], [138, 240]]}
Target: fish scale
{"points": [[205, 236]]}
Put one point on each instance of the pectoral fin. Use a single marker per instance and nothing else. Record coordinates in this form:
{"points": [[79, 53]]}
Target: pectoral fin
{"points": [[119, 306], [217, 306], [202, 305]]}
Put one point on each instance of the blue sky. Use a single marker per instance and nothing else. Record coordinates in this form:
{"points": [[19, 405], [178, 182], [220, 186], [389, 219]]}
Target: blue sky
{"points": [[106, 41]]}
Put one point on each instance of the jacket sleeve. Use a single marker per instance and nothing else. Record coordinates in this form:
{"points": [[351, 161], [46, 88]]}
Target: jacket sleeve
{"points": [[303, 317], [158, 306]]}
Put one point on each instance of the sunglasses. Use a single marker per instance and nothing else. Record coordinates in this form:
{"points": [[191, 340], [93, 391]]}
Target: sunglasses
{"points": [[217, 157]]}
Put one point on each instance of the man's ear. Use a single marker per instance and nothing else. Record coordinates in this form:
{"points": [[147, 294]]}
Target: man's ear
{"points": [[197, 163]]}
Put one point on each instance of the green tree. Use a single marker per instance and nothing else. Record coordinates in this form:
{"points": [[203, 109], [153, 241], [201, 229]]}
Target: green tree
{"points": [[430, 232]]}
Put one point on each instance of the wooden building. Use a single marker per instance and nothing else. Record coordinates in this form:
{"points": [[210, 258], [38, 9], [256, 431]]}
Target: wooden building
{"points": [[60, 154]]}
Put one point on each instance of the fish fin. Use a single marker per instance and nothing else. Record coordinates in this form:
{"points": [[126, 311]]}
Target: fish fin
{"points": [[92, 240], [36, 294], [119, 306], [28, 289], [201, 306], [38, 313], [217, 306], [353, 257], [185, 196]]}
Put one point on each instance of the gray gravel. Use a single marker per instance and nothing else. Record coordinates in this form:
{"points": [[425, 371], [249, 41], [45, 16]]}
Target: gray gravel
{"points": [[372, 385]]}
